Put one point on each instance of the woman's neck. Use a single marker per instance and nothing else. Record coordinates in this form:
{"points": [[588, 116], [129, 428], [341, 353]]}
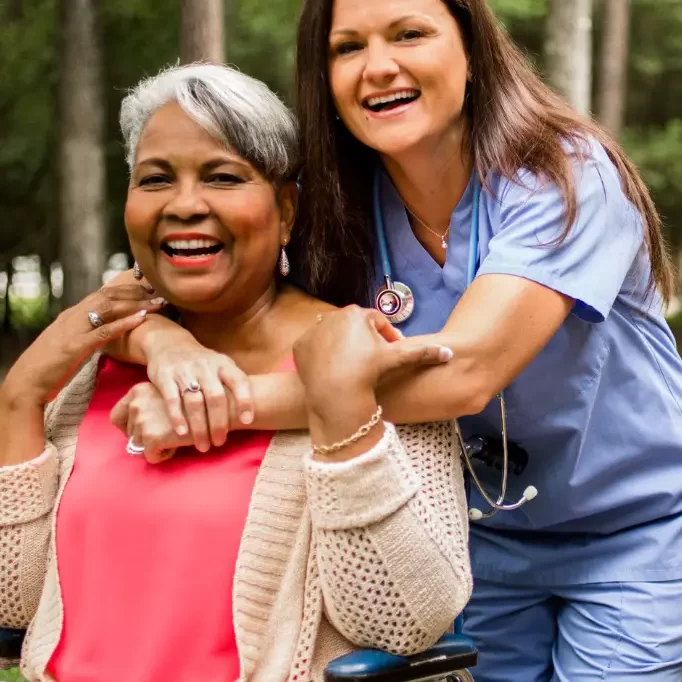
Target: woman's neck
{"points": [[431, 181], [259, 335]]}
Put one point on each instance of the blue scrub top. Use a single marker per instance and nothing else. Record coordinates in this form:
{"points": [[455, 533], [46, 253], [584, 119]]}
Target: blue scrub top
{"points": [[599, 411]]}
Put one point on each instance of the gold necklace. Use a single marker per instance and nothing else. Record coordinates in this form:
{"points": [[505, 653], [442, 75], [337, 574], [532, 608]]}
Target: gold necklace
{"points": [[443, 237]]}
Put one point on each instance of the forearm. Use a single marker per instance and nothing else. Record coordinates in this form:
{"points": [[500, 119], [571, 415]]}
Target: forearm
{"points": [[21, 424], [133, 347], [429, 394]]}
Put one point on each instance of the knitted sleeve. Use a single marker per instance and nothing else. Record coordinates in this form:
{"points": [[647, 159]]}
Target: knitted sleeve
{"points": [[390, 529], [27, 495]]}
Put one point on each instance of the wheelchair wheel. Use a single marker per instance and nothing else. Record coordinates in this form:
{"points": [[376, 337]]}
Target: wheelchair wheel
{"points": [[461, 676]]}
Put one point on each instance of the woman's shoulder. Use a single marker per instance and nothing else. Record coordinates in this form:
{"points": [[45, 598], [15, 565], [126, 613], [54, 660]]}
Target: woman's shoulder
{"points": [[594, 177]]}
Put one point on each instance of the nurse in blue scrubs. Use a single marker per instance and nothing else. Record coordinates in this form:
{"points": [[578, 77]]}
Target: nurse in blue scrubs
{"points": [[429, 102], [565, 314]]}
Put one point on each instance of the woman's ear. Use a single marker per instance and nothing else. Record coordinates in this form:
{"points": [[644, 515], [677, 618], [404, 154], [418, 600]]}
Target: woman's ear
{"points": [[287, 200]]}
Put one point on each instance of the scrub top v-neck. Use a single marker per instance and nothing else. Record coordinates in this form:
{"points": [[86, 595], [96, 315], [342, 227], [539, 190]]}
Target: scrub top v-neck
{"points": [[599, 411]]}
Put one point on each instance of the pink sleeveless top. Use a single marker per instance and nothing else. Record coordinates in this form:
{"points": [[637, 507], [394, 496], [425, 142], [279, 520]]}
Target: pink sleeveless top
{"points": [[147, 552]]}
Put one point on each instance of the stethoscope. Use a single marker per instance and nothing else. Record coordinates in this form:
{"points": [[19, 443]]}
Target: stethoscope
{"points": [[396, 301]]}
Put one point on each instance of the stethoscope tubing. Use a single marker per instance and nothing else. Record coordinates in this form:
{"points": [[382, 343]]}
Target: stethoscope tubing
{"points": [[472, 267]]}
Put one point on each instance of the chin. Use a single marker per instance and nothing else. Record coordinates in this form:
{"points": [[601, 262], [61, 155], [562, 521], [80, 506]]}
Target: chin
{"points": [[194, 296], [395, 146]]}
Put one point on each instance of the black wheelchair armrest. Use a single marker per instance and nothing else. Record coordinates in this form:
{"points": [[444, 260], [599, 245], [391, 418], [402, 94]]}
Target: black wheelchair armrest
{"points": [[449, 655], [10, 642]]}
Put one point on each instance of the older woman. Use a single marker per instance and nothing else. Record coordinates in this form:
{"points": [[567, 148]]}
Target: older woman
{"points": [[269, 556]]}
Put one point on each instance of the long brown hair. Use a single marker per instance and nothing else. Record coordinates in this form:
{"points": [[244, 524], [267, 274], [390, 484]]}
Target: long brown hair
{"points": [[516, 122]]}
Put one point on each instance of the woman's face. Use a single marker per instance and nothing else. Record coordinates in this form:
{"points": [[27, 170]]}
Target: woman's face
{"points": [[204, 225], [398, 72]]}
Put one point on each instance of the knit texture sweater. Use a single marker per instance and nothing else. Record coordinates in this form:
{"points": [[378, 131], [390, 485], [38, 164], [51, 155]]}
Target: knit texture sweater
{"points": [[371, 552]]}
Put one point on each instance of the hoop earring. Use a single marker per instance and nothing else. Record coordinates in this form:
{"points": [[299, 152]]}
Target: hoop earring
{"points": [[284, 266], [137, 273]]}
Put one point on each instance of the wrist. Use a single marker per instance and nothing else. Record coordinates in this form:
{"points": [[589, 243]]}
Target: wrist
{"points": [[18, 396], [336, 421], [154, 341]]}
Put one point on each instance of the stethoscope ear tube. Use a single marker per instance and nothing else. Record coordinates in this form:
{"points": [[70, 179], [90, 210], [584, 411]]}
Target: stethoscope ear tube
{"points": [[396, 301]]}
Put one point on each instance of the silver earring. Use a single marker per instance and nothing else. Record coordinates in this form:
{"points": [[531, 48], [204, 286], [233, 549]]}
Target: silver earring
{"points": [[284, 266], [137, 273]]}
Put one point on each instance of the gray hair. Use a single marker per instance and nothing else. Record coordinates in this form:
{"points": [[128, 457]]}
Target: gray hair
{"points": [[238, 110]]}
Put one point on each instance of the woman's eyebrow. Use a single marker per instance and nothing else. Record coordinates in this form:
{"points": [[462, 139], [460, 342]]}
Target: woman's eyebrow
{"points": [[393, 24], [154, 161]]}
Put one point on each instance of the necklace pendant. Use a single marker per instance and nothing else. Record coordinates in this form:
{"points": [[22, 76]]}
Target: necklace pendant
{"points": [[443, 243]]}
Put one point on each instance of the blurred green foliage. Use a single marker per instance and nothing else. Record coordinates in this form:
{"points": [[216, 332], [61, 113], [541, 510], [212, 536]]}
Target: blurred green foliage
{"points": [[11, 675], [140, 36]]}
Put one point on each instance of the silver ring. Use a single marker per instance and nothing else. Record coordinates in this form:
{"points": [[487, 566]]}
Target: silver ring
{"points": [[94, 319], [192, 387], [132, 448]]}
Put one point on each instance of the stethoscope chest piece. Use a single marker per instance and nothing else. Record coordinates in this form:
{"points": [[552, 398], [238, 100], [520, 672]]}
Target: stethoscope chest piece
{"points": [[395, 300]]}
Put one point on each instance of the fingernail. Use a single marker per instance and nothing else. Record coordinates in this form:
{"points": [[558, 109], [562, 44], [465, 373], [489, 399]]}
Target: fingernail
{"points": [[445, 354], [246, 417], [141, 313], [181, 430], [158, 301]]}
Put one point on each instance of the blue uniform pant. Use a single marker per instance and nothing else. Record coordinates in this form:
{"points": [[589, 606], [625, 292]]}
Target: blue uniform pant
{"points": [[615, 632]]}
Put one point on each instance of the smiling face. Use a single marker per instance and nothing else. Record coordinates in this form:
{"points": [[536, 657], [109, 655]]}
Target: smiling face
{"points": [[398, 72], [204, 225]]}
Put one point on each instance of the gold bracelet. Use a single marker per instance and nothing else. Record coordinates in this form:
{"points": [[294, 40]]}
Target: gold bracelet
{"points": [[360, 433]]}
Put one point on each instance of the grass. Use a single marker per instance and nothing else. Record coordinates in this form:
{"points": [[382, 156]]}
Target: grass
{"points": [[11, 675]]}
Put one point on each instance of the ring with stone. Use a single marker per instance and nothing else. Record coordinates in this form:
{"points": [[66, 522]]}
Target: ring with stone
{"points": [[192, 387], [94, 319], [132, 448]]}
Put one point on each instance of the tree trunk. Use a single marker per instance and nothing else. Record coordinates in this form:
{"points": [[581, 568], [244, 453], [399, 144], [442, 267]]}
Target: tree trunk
{"points": [[201, 31], [82, 185], [614, 65], [568, 51]]}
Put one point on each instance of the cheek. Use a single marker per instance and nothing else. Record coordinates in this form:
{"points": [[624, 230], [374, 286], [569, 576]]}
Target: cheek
{"points": [[139, 218], [250, 217], [341, 84]]}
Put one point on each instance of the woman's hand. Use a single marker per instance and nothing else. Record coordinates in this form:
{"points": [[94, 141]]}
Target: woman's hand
{"points": [[353, 349], [340, 362], [51, 360], [142, 415], [176, 362]]}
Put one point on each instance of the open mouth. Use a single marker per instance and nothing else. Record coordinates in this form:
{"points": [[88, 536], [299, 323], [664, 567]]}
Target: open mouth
{"points": [[391, 101], [191, 248]]}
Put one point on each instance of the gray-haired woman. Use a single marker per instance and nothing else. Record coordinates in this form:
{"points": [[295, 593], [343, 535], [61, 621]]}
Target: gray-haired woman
{"points": [[274, 553]]}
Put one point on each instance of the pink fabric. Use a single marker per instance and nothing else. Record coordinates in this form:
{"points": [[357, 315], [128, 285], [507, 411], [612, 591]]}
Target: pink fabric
{"points": [[147, 553]]}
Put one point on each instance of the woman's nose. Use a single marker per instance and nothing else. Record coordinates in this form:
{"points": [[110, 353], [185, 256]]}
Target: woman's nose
{"points": [[381, 65], [186, 203]]}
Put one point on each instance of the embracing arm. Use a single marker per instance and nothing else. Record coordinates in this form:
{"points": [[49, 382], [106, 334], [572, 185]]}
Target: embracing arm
{"points": [[29, 463], [497, 328], [388, 512], [501, 323]]}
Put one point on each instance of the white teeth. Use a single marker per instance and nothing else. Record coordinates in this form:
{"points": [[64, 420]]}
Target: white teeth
{"points": [[405, 94], [192, 243]]}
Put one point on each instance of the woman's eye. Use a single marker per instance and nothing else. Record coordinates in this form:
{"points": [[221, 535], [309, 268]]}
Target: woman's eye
{"points": [[347, 48], [151, 180], [224, 179], [410, 34]]}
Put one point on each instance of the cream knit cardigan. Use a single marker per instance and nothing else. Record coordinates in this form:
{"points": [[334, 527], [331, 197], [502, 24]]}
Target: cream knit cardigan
{"points": [[366, 553]]}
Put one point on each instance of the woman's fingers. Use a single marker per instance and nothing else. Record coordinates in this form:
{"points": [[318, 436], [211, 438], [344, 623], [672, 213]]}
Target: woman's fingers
{"points": [[167, 385], [99, 337], [216, 405], [194, 408], [238, 383], [385, 329], [406, 355], [120, 414]]}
